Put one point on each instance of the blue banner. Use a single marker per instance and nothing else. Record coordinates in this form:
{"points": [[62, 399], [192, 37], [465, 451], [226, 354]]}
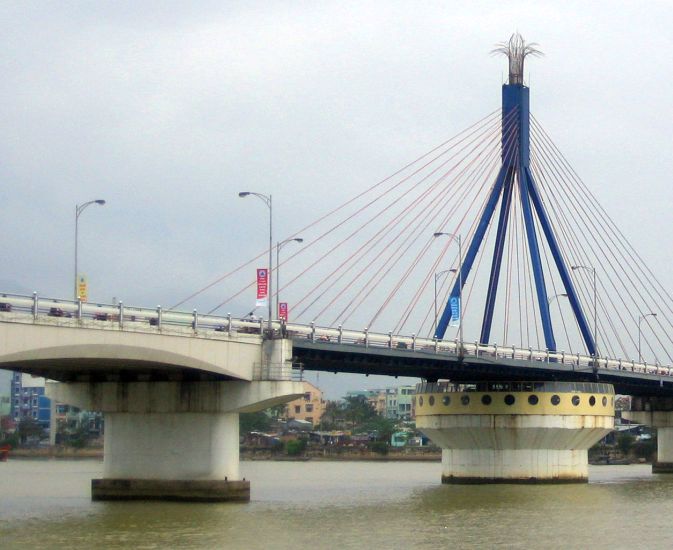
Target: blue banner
{"points": [[454, 304]]}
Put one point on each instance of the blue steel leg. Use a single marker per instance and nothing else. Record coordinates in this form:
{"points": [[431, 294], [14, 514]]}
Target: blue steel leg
{"points": [[471, 255], [540, 287], [497, 258], [560, 265]]}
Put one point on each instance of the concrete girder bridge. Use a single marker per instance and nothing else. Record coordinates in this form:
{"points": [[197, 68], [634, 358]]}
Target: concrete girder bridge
{"points": [[514, 391]]}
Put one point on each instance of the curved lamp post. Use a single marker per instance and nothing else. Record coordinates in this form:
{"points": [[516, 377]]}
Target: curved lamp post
{"points": [[280, 245], [460, 281], [79, 208], [266, 199]]}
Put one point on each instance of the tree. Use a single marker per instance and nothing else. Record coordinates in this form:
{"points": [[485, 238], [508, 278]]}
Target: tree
{"points": [[625, 442], [357, 410], [333, 416], [382, 427], [28, 429], [254, 422]]}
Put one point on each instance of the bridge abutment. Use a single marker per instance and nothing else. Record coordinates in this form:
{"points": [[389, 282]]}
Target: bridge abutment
{"points": [[519, 432], [173, 440]]}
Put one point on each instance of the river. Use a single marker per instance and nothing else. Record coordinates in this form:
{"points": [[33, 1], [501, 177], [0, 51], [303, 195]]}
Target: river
{"points": [[46, 504]]}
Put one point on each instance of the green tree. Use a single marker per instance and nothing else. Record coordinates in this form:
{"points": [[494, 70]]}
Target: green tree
{"points": [[254, 422], [333, 417], [382, 427], [357, 410], [295, 447], [29, 428], [625, 442]]}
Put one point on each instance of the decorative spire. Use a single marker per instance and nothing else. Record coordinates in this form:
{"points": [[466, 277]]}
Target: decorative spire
{"points": [[516, 49]]}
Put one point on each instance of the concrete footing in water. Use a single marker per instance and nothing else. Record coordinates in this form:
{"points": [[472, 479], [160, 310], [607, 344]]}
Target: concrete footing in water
{"points": [[161, 489], [662, 468], [515, 432]]}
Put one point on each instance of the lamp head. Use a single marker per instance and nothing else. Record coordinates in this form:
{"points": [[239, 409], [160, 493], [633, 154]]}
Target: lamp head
{"points": [[299, 240], [244, 193], [100, 201], [438, 234]]}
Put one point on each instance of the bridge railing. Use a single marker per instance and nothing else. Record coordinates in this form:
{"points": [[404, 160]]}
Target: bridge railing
{"points": [[277, 372], [36, 309]]}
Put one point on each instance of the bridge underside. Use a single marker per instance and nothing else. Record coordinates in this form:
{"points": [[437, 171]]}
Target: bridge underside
{"points": [[112, 370], [349, 358]]}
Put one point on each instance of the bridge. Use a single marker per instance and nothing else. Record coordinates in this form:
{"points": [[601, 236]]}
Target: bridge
{"points": [[526, 412]]}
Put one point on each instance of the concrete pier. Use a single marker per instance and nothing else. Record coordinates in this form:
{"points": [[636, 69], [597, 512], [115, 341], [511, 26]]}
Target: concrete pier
{"points": [[515, 432], [173, 440], [658, 413]]}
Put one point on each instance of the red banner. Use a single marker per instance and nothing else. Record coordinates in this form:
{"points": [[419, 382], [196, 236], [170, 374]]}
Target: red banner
{"points": [[262, 286], [282, 311]]}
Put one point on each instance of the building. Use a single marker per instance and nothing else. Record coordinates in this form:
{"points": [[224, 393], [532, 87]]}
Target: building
{"points": [[28, 399], [395, 403], [376, 398], [310, 407], [399, 403]]}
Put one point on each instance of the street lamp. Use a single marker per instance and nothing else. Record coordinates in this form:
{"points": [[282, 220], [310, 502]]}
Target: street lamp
{"points": [[552, 298], [79, 208], [460, 282], [280, 245], [593, 271], [266, 199], [640, 319]]}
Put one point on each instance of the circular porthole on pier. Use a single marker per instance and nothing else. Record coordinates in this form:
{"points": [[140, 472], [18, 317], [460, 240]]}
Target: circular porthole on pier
{"points": [[431, 400], [592, 401], [533, 399], [575, 400], [555, 399], [486, 399], [605, 401], [509, 399], [465, 399], [420, 401], [446, 400]]}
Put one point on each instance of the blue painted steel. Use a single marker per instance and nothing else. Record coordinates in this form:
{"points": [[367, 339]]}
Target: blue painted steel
{"points": [[516, 97], [497, 257], [534, 252], [471, 255], [561, 266]]}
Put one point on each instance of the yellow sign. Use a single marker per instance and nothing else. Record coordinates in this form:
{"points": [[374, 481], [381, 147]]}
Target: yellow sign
{"points": [[82, 288]]}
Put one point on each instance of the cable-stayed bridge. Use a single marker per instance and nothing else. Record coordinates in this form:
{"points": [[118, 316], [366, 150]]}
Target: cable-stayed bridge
{"points": [[314, 348], [486, 267]]}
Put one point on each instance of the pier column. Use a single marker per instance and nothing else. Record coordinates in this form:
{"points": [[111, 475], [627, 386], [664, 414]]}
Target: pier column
{"points": [[173, 440], [658, 413], [515, 432]]}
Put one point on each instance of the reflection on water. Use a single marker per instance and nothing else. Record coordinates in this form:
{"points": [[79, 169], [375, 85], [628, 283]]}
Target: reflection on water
{"points": [[46, 504]]}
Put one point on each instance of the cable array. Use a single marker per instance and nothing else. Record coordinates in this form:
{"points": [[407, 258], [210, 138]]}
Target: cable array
{"points": [[374, 260]]}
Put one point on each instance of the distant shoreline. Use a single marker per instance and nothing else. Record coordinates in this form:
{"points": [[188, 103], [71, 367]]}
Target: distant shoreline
{"points": [[67, 453]]}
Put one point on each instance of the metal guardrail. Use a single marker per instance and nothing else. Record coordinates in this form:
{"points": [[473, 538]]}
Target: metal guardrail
{"points": [[277, 372], [34, 309]]}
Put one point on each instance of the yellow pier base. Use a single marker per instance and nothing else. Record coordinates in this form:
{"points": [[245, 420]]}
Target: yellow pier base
{"points": [[515, 432]]}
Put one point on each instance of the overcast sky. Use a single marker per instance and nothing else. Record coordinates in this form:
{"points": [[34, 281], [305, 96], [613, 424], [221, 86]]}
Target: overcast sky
{"points": [[168, 109]]}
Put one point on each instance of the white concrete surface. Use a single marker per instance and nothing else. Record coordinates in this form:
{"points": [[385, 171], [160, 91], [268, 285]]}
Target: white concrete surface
{"points": [[175, 446], [233, 356], [544, 447]]}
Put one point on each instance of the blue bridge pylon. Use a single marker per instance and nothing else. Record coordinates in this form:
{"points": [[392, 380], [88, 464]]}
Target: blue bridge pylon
{"points": [[515, 171]]}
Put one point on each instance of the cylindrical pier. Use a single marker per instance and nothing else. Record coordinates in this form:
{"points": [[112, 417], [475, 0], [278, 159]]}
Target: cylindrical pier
{"points": [[515, 432]]}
